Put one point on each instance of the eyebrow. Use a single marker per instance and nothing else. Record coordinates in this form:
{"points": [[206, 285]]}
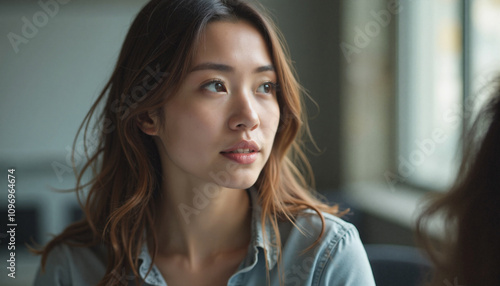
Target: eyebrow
{"points": [[226, 68]]}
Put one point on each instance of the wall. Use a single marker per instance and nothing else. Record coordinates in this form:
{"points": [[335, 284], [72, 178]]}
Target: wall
{"points": [[47, 84], [313, 31]]}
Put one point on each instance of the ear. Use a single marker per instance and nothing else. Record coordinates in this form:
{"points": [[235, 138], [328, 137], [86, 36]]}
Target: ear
{"points": [[148, 123]]}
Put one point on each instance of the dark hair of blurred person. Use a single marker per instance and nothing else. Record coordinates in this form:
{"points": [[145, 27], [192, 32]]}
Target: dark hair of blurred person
{"points": [[469, 252]]}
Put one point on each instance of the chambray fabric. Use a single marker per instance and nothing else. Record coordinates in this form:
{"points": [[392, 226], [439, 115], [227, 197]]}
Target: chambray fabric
{"points": [[339, 258]]}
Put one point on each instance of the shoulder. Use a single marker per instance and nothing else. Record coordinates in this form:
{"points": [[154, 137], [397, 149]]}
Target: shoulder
{"points": [[309, 225], [338, 257], [73, 265]]}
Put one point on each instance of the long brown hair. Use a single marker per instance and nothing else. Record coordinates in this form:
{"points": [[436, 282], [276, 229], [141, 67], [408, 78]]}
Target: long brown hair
{"points": [[469, 253], [156, 55]]}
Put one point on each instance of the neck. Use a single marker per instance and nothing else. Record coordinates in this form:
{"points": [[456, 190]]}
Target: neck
{"points": [[200, 223]]}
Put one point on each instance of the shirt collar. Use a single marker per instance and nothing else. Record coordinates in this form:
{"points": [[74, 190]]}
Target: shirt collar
{"points": [[257, 234], [155, 278]]}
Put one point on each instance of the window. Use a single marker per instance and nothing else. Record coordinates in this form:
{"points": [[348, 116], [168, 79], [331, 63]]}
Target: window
{"points": [[448, 52], [485, 48]]}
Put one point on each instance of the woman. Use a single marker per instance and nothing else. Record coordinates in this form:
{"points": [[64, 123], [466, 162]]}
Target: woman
{"points": [[195, 181], [469, 253]]}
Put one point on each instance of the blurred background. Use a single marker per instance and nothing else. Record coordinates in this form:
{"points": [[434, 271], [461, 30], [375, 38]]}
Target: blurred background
{"points": [[393, 82]]}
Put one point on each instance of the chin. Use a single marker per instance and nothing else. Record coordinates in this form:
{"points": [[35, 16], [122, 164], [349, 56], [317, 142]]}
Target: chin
{"points": [[243, 183]]}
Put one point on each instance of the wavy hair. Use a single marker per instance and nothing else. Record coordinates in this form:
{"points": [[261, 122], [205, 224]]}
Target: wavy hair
{"points": [[119, 207], [470, 250]]}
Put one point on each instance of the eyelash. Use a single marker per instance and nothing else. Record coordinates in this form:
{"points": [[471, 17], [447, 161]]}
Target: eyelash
{"points": [[213, 81], [274, 86]]}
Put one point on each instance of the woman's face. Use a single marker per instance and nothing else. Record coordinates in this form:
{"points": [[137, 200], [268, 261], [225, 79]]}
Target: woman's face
{"points": [[220, 127]]}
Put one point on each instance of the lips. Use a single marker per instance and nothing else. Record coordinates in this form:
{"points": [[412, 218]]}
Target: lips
{"points": [[242, 147], [243, 152]]}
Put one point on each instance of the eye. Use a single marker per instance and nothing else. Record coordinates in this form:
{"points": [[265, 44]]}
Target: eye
{"points": [[267, 87], [215, 86]]}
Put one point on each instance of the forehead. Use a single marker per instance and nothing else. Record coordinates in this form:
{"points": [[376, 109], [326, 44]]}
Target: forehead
{"points": [[237, 42]]}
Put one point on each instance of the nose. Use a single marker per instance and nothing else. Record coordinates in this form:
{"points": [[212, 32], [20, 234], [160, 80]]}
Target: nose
{"points": [[244, 115]]}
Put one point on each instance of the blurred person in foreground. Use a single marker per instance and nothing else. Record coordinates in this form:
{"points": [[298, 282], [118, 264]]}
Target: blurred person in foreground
{"points": [[469, 252]]}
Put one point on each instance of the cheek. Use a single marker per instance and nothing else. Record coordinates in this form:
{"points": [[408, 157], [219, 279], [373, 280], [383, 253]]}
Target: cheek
{"points": [[188, 130], [273, 117], [270, 122]]}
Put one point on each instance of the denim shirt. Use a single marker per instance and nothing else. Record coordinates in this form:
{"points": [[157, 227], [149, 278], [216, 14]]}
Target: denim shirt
{"points": [[338, 259]]}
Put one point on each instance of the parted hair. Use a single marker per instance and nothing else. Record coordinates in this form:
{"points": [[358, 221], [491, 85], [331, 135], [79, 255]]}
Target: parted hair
{"points": [[118, 201]]}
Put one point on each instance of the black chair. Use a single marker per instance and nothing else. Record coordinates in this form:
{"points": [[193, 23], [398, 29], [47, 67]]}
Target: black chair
{"points": [[395, 265]]}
